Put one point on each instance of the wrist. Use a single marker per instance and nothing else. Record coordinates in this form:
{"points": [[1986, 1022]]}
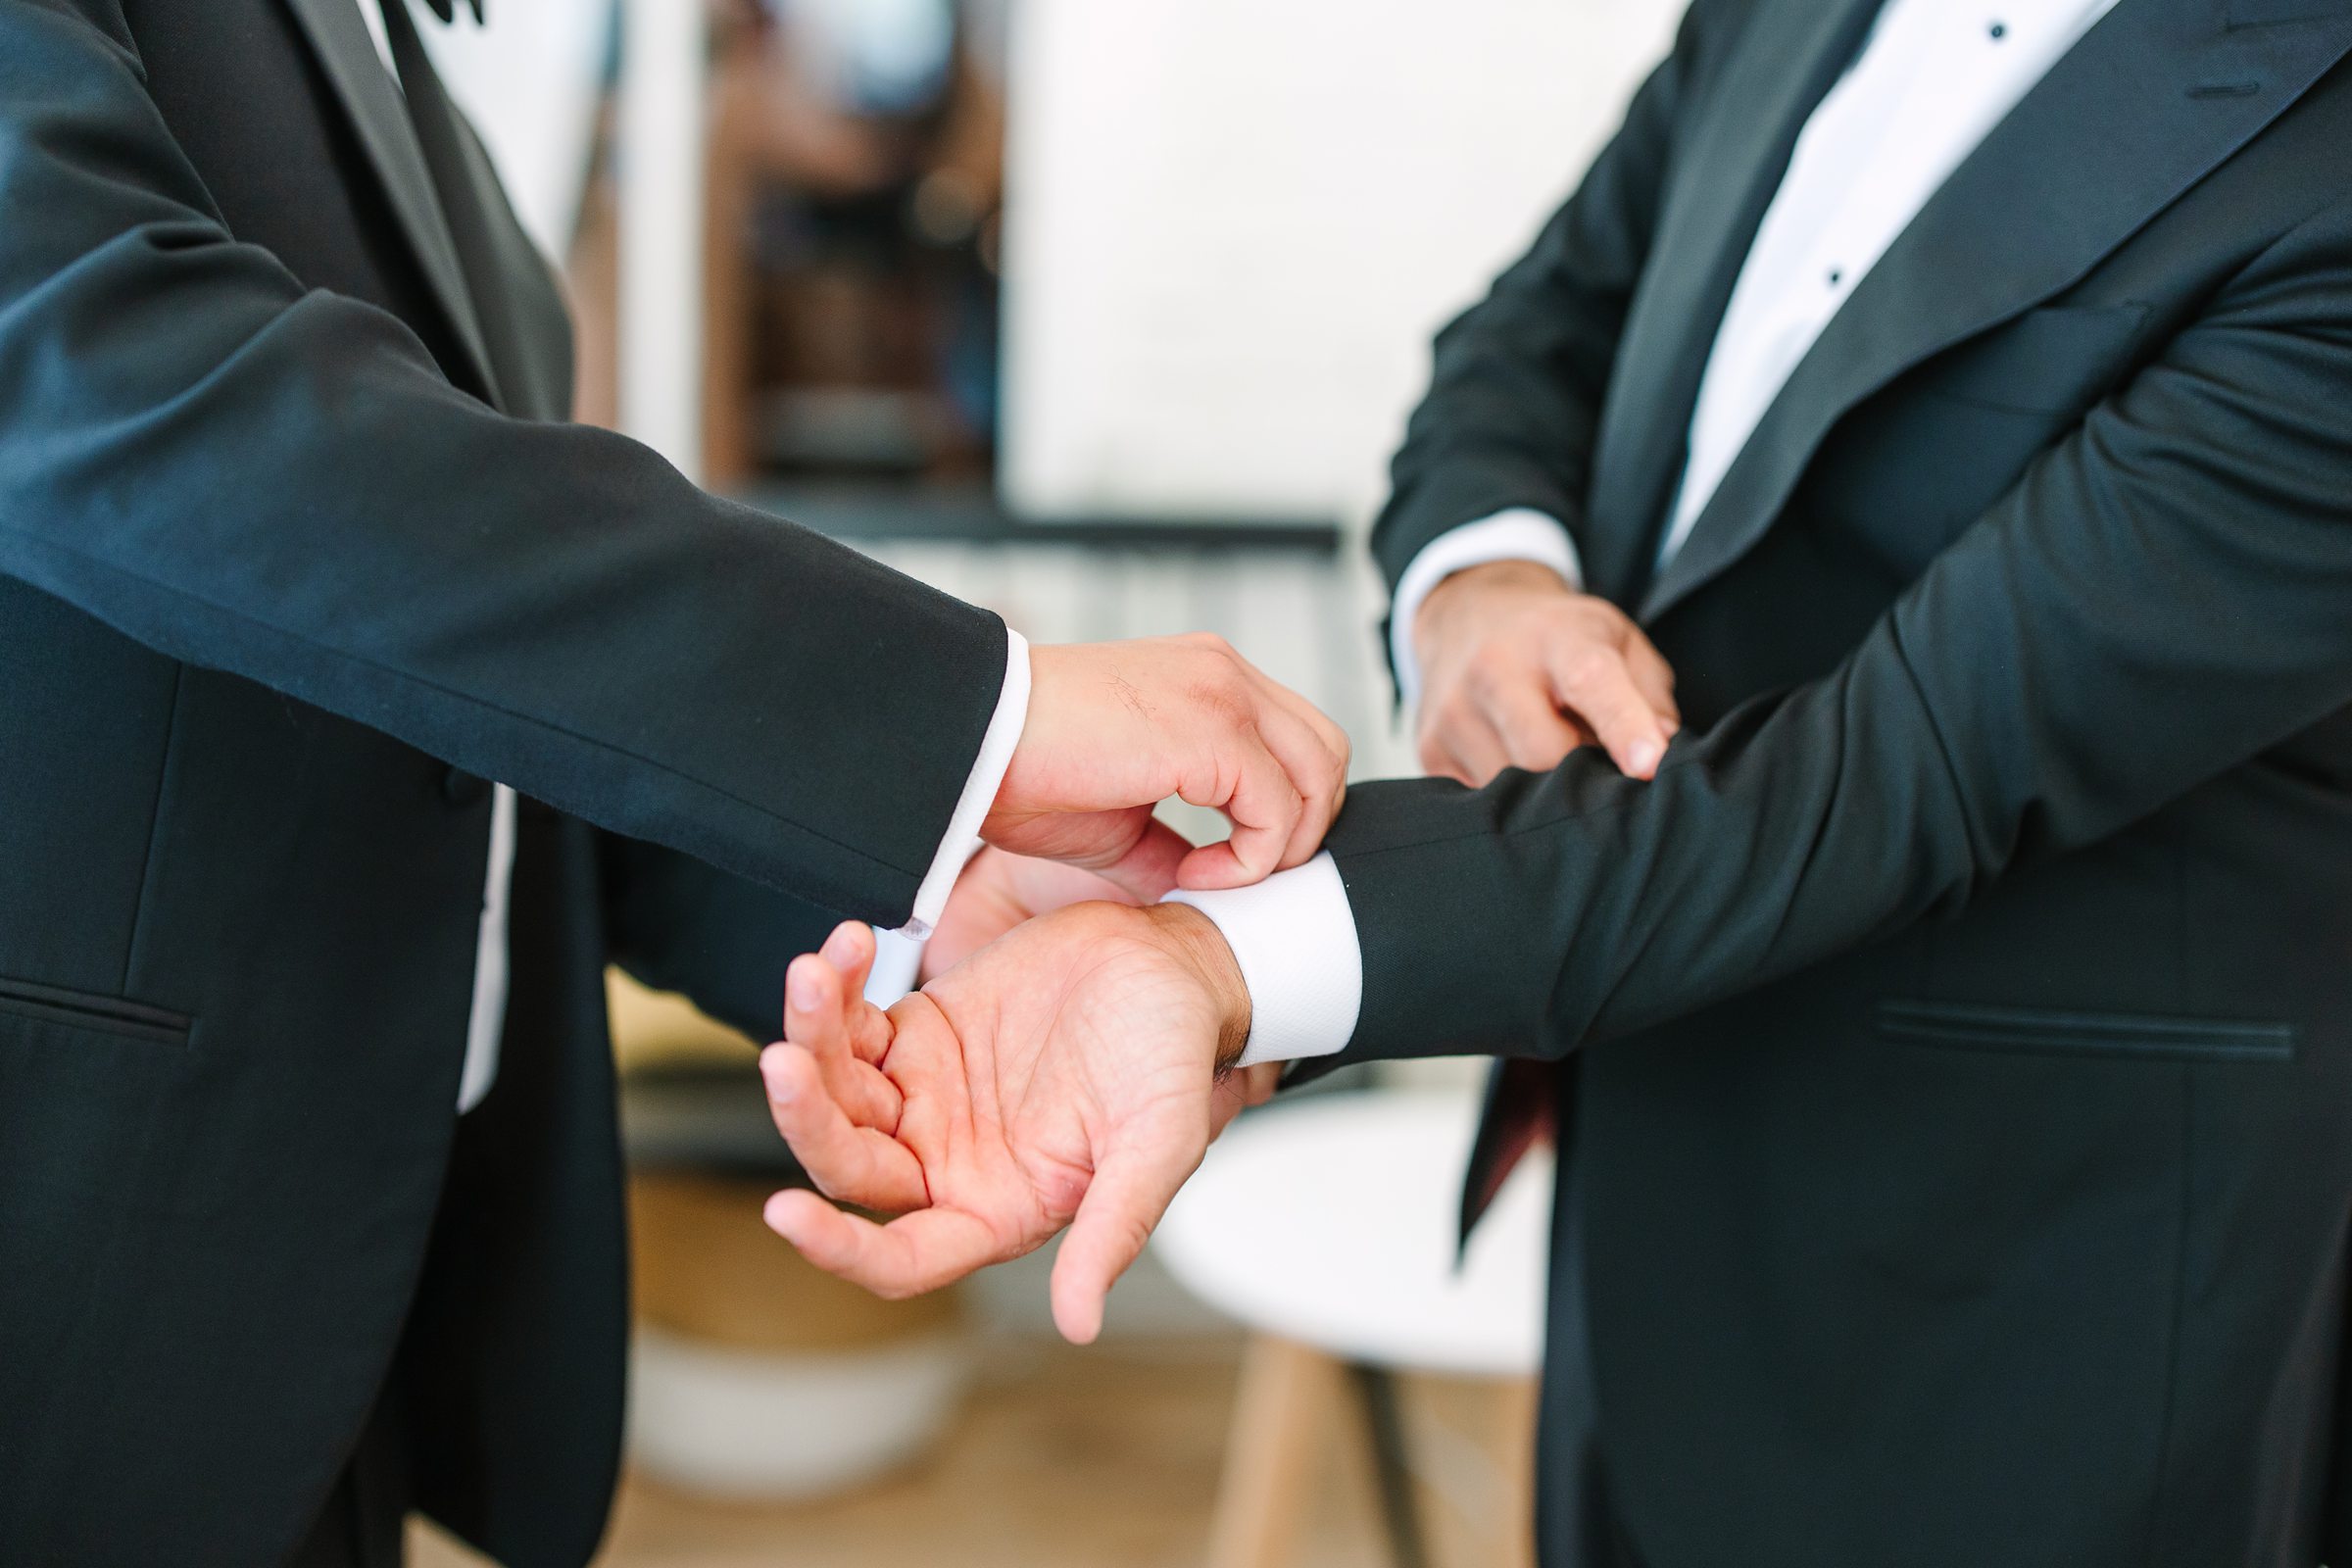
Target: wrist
{"points": [[1194, 939]]}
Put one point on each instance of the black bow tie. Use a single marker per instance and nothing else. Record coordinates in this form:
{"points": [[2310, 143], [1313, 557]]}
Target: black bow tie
{"points": [[447, 10]]}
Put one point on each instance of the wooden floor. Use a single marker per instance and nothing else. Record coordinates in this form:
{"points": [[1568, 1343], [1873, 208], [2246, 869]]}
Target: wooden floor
{"points": [[1065, 1458]]}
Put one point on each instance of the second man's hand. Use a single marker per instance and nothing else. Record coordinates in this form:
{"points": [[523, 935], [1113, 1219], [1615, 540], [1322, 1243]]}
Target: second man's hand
{"points": [[1071, 1073], [1114, 728], [1519, 668]]}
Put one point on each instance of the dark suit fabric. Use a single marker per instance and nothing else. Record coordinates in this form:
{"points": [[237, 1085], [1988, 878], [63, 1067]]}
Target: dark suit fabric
{"points": [[1960, 1102], [295, 554]]}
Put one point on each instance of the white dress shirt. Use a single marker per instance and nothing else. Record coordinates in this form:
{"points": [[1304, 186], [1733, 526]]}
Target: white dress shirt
{"points": [[1929, 83], [485, 1022]]}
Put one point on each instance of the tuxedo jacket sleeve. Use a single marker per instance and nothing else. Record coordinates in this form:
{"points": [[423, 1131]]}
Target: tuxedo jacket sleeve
{"points": [[1517, 381], [2164, 594], [678, 923], [282, 484]]}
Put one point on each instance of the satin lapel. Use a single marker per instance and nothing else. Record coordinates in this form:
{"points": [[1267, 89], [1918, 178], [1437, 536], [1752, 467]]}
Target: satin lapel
{"points": [[1775, 73], [2151, 99], [339, 35]]}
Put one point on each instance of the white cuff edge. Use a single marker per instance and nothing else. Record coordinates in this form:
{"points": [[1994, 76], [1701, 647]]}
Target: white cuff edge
{"points": [[963, 839], [1294, 938]]}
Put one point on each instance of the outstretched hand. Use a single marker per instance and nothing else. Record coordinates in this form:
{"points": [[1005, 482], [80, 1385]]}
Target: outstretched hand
{"points": [[1068, 1074]]}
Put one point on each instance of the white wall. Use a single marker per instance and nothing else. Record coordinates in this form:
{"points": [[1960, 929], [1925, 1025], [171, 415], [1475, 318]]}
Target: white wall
{"points": [[1232, 225], [529, 82]]}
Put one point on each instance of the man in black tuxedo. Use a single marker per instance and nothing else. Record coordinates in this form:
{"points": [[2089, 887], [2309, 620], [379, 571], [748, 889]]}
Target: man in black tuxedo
{"points": [[353, 713], [1951, 1043]]}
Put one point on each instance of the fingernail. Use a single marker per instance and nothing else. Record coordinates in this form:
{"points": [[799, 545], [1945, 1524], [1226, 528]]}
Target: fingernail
{"points": [[1644, 758], [800, 991]]}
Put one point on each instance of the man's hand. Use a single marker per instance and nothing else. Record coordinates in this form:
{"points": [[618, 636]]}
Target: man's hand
{"points": [[1068, 1074], [1115, 728], [1518, 669]]}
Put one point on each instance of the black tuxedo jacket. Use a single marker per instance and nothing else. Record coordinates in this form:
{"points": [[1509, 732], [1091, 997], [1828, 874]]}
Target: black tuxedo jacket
{"points": [[1962, 1107], [293, 555]]}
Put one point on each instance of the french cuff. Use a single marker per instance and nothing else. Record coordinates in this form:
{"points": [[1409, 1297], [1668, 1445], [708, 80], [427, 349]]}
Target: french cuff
{"points": [[898, 960], [1519, 534], [963, 839], [1294, 938]]}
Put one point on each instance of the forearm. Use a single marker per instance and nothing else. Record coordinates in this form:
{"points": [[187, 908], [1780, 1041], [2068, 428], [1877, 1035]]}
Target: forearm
{"points": [[279, 484], [2158, 599], [1548, 909]]}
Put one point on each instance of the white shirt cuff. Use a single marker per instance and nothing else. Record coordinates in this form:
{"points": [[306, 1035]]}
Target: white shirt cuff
{"points": [[1294, 938], [1520, 534], [898, 960], [962, 839]]}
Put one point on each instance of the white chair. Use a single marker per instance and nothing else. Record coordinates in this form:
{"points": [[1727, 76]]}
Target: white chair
{"points": [[1326, 1226]]}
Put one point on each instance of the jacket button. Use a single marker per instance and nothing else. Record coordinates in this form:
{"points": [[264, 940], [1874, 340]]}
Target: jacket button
{"points": [[461, 788]]}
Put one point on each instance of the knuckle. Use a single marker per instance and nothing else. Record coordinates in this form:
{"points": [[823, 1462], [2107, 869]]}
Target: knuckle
{"points": [[1216, 647], [1601, 613], [1488, 673], [1586, 668], [1220, 699]]}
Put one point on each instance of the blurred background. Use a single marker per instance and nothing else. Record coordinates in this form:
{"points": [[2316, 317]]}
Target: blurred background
{"points": [[1105, 314]]}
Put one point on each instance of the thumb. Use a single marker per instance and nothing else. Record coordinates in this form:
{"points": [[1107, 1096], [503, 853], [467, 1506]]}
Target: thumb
{"points": [[1131, 1189]]}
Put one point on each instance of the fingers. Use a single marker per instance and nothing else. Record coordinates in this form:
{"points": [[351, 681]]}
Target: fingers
{"points": [[837, 1029], [1314, 750], [1461, 744], [1279, 772], [1266, 810], [1116, 728], [1653, 677], [1542, 667], [856, 1165], [1329, 735], [1594, 682], [1147, 871], [851, 951], [916, 1252], [1533, 733], [1438, 762], [1131, 1189]]}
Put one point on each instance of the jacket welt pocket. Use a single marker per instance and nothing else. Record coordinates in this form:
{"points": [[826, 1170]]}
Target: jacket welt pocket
{"points": [[2042, 1032], [82, 1010]]}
